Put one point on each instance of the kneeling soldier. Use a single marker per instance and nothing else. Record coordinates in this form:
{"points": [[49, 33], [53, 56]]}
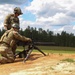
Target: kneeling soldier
{"points": [[8, 42]]}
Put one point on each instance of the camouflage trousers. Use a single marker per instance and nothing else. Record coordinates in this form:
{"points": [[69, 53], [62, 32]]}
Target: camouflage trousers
{"points": [[6, 55]]}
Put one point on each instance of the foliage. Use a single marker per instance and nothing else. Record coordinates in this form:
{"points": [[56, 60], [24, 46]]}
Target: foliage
{"points": [[53, 49], [40, 35]]}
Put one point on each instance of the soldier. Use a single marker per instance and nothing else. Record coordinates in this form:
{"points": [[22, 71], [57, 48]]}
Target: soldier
{"points": [[12, 18], [7, 43]]}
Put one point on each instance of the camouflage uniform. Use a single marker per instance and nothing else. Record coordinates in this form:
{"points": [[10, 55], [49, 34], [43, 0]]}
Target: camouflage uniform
{"points": [[7, 42], [12, 18], [9, 20]]}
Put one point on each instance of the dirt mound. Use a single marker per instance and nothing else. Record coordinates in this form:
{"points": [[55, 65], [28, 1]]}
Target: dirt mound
{"points": [[37, 64]]}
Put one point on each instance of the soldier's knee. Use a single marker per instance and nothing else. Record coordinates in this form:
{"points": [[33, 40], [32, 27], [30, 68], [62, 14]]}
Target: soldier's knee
{"points": [[3, 60], [11, 60]]}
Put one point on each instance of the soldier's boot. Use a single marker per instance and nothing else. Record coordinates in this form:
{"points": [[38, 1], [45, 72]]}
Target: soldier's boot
{"points": [[3, 60]]}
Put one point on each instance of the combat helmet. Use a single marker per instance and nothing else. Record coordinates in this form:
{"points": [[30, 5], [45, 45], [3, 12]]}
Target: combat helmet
{"points": [[17, 10], [16, 25]]}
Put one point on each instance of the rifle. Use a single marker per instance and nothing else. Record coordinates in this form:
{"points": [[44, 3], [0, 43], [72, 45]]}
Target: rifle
{"points": [[26, 52]]}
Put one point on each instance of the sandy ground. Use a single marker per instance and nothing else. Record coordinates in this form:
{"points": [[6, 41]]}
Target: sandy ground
{"points": [[37, 64]]}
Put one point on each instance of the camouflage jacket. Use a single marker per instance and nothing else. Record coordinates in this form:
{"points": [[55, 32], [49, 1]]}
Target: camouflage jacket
{"points": [[9, 20], [10, 38]]}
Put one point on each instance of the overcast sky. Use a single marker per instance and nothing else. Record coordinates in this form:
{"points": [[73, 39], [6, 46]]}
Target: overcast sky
{"points": [[55, 15]]}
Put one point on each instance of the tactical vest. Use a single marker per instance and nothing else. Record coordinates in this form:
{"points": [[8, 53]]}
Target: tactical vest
{"points": [[8, 38], [11, 19]]}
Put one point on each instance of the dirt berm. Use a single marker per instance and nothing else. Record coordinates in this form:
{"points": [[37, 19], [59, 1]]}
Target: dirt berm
{"points": [[37, 64]]}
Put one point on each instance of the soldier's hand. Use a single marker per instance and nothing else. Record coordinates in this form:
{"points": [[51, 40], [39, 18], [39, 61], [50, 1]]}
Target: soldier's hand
{"points": [[29, 39]]}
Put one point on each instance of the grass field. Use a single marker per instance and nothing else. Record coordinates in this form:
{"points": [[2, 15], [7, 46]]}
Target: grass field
{"points": [[53, 49]]}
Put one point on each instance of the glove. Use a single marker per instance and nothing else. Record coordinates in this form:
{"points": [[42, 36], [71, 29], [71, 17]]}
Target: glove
{"points": [[28, 39]]}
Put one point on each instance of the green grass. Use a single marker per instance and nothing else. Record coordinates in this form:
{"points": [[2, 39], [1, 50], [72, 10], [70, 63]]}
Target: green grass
{"points": [[53, 49], [68, 60], [56, 48]]}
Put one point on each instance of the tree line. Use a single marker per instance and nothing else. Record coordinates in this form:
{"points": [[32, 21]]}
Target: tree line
{"points": [[40, 35]]}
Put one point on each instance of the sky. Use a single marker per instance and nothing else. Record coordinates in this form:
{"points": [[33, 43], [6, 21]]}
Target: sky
{"points": [[55, 15]]}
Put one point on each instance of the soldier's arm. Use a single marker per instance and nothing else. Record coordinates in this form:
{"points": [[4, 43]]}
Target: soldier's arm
{"points": [[6, 21], [20, 37]]}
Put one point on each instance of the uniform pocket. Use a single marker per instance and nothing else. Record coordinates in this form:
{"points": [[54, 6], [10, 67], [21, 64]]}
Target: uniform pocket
{"points": [[3, 49]]}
